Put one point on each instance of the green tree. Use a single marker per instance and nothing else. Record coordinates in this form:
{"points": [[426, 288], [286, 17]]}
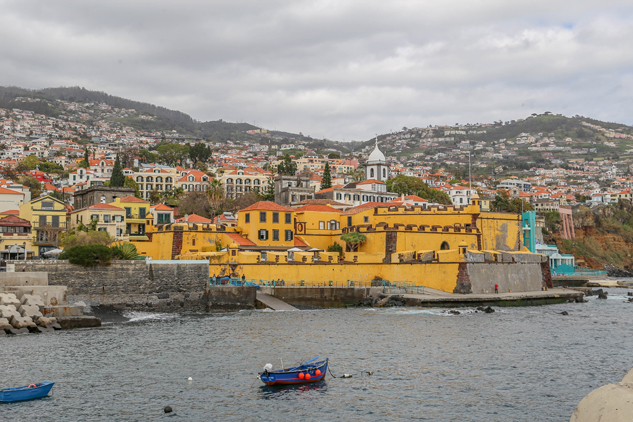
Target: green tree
{"points": [[334, 155], [33, 184], [31, 162], [199, 152], [171, 154], [268, 194], [410, 185], [353, 240], [85, 163], [88, 255], [130, 183], [335, 248], [326, 181], [287, 167], [117, 179]]}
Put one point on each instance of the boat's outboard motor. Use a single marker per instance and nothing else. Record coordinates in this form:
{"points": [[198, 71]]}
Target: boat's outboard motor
{"points": [[268, 367]]}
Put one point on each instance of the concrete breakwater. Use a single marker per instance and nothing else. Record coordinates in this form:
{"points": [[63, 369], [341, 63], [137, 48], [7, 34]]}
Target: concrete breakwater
{"points": [[177, 286], [29, 304]]}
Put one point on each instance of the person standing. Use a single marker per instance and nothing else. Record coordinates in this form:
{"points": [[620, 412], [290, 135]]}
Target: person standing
{"points": [[496, 288]]}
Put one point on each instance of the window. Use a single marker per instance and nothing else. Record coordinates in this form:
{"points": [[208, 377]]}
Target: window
{"points": [[149, 179], [159, 179], [47, 205], [193, 242], [276, 217], [247, 218], [238, 181], [141, 212], [103, 199], [263, 234], [339, 196], [262, 217], [349, 221], [139, 178], [148, 187], [288, 218], [321, 225], [94, 217], [101, 229], [275, 235], [106, 218], [128, 212], [119, 231], [56, 221], [256, 182], [371, 173], [167, 179], [445, 246], [384, 173], [288, 235], [365, 219], [42, 220]]}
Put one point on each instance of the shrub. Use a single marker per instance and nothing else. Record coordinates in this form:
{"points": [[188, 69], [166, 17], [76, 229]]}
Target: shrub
{"points": [[88, 255], [81, 238], [335, 248], [124, 251]]}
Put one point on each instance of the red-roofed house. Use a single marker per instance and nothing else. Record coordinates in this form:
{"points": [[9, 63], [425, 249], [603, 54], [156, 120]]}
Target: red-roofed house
{"points": [[268, 224]]}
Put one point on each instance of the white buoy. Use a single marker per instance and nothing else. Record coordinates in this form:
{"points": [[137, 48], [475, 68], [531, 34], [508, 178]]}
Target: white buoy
{"points": [[189, 379]]}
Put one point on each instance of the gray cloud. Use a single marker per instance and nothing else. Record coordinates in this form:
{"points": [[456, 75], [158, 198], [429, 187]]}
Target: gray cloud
{"points": [[335, 69]]}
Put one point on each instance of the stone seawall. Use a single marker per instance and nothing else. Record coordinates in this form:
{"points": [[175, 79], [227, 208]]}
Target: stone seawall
{"points": [[165, 286]]}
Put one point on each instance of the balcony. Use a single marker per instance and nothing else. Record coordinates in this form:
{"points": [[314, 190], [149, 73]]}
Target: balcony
{"points": [[136, 235]]}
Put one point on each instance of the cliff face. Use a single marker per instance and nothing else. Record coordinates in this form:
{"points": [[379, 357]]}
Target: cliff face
{"points": [[604, 237]]}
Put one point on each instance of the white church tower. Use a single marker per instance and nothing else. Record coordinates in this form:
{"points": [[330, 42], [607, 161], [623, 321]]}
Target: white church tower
{"points": [[376, 167]]}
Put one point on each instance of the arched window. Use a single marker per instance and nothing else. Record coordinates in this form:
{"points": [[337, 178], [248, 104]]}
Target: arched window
{"points": [[149, 179], [167, 179], [247, 181], [371, 173], [190, 178], [445, 246], [238, 181], [229, 180], [256, 181], [384, 173], [139, 178], [159, 179]]}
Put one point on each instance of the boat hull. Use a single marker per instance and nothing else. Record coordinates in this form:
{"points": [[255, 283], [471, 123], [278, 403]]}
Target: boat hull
{"points": [[8, 395], [292, 377]]}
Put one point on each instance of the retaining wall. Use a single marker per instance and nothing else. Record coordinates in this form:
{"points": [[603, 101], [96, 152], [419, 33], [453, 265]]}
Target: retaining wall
{"points": [[142, 285]]}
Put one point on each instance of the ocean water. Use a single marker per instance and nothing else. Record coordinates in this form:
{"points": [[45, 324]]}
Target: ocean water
{"points": [[517, 364]]}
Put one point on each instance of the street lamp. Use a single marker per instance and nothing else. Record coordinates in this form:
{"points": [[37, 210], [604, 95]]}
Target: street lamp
{"points": [[24, 251]]}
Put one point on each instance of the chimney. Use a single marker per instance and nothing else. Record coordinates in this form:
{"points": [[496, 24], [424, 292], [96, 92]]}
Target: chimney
{"points": [[186, 218]]}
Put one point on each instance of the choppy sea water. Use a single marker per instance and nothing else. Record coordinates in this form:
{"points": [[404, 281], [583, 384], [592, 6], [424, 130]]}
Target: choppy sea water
{"points": [[517, 364]]}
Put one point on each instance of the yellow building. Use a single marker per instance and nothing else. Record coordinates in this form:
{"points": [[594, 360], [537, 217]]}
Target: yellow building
{"points": [[452, 248], [138, 217], [16, 239], [109, 218], [268, 225], [158, 179], [48, 218]]}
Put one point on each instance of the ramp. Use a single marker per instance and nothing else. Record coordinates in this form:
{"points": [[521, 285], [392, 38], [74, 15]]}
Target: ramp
{"points": [[274, 303]]}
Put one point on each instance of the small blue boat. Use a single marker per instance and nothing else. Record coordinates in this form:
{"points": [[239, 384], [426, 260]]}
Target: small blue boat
{"points": [[307, 372], [28, 392]]}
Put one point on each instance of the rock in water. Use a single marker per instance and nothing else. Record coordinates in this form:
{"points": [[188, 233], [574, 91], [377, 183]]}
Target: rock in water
{"points": [[564, 313], [167, 409], [602, 296], [612, 403], [489, 310], [454, 312]]}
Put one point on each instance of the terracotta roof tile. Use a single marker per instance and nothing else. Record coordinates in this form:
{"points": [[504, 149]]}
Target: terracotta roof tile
{"points": [[240, 240], [266, 206], [319, 208], [194, 218], [130, 198]]}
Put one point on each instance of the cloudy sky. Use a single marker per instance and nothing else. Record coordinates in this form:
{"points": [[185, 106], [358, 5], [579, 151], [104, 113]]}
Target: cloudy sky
{"points": [[344, 70]]}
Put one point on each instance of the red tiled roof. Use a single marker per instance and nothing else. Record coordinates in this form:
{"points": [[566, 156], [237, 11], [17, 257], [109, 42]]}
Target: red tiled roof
{"points": [[364, 207], [194, 218], [14, 221], [161, 207], [11, 212], [326, 190], [104, 207], [5, 191], [240, 240], [130, 198], [300, 243], [266, 206], [319, 208], [370, 181]]}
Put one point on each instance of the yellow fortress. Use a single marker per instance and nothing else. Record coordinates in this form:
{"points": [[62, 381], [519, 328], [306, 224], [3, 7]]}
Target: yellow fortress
{"points": [[455, 249]]}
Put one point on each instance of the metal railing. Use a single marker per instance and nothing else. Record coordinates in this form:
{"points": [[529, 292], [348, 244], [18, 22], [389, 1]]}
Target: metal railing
{"points": [[389, 287]]}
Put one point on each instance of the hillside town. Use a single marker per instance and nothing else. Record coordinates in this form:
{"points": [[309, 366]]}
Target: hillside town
{"points": [[51, 160]]}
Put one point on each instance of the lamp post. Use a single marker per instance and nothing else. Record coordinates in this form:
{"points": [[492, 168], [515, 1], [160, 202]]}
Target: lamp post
{"points": [[24, 250]]}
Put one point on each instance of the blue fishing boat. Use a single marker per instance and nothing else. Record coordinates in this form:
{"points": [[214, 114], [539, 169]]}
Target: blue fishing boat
{"points": [[307, 372], [28, 392]]}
